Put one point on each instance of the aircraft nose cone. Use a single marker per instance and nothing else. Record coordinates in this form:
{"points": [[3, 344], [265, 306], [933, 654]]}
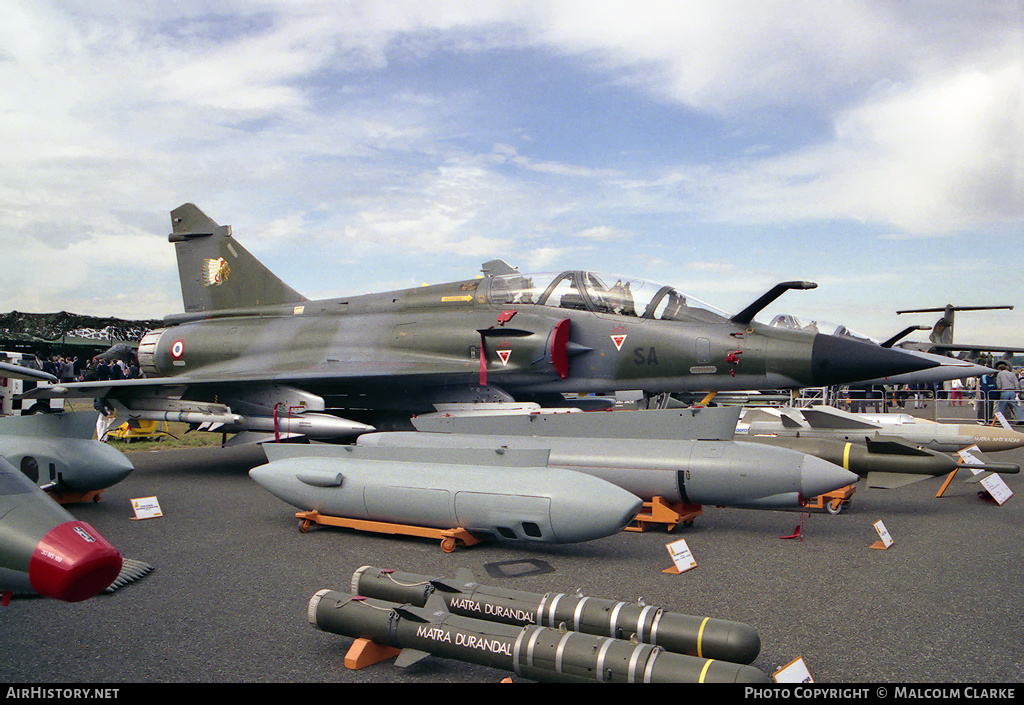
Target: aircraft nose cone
{"points": [[73, 562], [819, 476], [837, 360]]}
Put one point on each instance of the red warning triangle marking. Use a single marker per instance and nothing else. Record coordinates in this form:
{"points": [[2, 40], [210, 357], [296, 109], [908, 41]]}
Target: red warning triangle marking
{"points": [[619, 340], [504, 355]]}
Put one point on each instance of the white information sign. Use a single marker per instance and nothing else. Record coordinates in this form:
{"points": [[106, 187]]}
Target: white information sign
{"points": [[883, 534], [1002, 421], [146, 508], [793, 672], [992, 483], [681, 556]]}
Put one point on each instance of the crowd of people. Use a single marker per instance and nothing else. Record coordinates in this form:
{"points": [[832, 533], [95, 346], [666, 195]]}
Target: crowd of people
{"points": [[73, 369], [990, 393]]}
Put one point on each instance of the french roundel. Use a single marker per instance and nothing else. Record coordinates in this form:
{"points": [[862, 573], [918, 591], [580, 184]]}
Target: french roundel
{"points": [[178, 349]]}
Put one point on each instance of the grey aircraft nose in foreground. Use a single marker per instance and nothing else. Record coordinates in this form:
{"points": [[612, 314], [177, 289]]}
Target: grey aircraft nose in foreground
{"points": [[252, 350]]}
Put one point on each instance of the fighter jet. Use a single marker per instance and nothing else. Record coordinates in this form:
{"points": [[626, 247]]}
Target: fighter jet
{"points": [[19, 372], [251, 353], [941, 337]]}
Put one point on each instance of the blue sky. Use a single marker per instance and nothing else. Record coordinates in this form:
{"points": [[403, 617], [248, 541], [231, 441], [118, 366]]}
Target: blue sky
{"points": [[873, 147]]}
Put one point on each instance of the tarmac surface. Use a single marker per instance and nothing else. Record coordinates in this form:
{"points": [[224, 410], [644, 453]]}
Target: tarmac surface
{"points": [[232, 577]]}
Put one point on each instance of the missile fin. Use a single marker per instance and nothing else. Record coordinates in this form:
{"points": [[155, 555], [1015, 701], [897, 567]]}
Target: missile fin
{"points": [[416, 614], [410, 656], [827, 417], [880, 444], [789, 422], [448, 585]]}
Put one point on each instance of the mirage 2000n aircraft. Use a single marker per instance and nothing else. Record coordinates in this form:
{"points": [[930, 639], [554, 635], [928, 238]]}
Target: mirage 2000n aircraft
{"points": [[251, 353]]}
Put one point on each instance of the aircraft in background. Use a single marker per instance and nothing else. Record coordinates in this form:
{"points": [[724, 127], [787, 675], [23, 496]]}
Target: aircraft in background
{"points": [[941, 337], [945, 368], [250, 353]]}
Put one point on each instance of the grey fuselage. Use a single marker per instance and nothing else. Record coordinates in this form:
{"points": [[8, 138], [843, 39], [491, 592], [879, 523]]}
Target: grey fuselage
{"points": [[712, 472]]}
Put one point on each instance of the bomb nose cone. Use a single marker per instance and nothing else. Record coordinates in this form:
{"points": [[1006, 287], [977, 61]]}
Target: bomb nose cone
{"points": [[97, 466], [598, 509], [838, 360], [819, 476], [73, 562]]}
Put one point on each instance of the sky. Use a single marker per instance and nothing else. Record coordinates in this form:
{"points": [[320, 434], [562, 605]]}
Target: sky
{"points": [[875, 148]]}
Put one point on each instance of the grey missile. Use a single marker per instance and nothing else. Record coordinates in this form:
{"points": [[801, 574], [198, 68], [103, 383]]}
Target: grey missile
{"points": [[886, 464], [56, 451], [829, 422], [462, 594], [532, 652], [309, 424], [711, 472], [509, 495]]}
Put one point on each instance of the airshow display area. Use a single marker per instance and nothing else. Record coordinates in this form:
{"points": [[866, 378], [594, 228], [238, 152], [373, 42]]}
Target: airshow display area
{"points": [[233, 576], [906, 572]]}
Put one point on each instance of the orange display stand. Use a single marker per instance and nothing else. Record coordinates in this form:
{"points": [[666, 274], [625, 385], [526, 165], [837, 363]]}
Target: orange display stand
{"points": [[449, 538], [658, 512], [833, 501], [364, 652]]}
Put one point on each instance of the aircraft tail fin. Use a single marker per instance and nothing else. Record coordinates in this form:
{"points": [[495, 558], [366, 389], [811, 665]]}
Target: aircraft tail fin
{"points": [[216, 272]]}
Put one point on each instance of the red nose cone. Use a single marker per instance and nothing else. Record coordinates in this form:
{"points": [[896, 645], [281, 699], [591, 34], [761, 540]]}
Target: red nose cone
{"points": [[73, 563]]}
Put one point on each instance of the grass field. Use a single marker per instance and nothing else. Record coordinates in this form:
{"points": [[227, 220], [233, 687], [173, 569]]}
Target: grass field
{"points": [[169, 435]]}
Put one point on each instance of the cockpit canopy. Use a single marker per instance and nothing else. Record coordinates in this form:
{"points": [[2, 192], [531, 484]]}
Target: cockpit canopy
{"points": [[785, 320], [602, 293]]}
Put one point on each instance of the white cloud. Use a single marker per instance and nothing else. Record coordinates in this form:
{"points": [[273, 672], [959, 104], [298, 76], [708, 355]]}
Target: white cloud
{"points": [[603, 233], [286, 119], [934, 159]]}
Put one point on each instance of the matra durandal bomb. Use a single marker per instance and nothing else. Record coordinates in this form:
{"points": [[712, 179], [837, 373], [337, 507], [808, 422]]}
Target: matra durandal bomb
{"points": [[672, 631], [532, 652]]}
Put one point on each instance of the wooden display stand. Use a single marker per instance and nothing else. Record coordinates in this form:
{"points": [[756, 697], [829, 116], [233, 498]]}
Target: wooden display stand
{"points": [[658, 512], [75, 497], [449, 538], [946, 483], [364, 652]]}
